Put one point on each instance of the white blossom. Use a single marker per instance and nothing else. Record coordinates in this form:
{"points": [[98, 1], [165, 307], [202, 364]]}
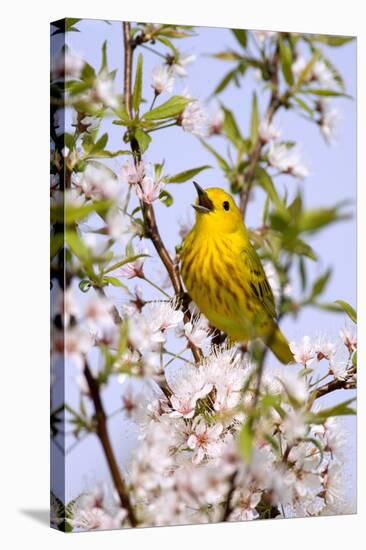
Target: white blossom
{"points": [[268, 132], [304, 352], [193, 119], [188, 385], [142, 335], [134, 268], [103, 91], [197, 331], [349, 339], [328, 121], [263, 36], [323, 75], [132, 173], [67, 64], [286, 160], [149, 189], [216, 123], [118, 223], [96, 183], [204, 440], [179, 63], [162, 79], [164, 315]]}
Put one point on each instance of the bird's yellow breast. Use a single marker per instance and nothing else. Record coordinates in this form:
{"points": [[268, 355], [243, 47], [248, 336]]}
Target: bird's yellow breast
{"points": [[217, 280]]}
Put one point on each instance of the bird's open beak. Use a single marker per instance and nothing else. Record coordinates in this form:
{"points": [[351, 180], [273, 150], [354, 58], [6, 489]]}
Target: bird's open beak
{"points": [[205, 204]]}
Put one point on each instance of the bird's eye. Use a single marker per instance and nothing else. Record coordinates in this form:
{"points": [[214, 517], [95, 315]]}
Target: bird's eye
{"points": [[226, 205]]}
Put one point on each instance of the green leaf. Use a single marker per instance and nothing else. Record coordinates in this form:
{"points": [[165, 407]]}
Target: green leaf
{"points": [[323, 93], [265, 181], [225, 82], [241, 36], [113, 281], [254, 124], [171, 108], [137, 89], [286, 62], [305, 74], [166, 198], [167, 43], [342, 409], [320, 284], [347, 308], [303, 105], [231, 128], [181, 177], [246, 440], [104, 66], [100, 144], [122, 114], [221, 161], [332, 40], [300, 248], [143, 139], [77, 246], [312, 220], [303, 274]]}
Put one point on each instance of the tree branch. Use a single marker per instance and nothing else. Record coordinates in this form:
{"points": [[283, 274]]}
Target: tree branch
{"points": [[333, 385], [102, 433], [151, 228], [274, 103]]}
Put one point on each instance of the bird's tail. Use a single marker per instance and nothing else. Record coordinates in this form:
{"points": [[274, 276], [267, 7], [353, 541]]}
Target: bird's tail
{"points": [[280, 347]]}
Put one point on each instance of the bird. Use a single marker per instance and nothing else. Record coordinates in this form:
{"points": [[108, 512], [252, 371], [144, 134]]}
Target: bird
{"points": [[224, 276]]}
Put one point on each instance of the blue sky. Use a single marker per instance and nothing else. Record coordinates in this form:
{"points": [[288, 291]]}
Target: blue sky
{"points": [[332, 179]]}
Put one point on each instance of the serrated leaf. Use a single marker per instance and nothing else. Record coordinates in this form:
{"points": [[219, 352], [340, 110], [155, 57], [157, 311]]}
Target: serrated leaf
{"points": [[181, 177], [347, 308], [171, 108], [137, 89]]}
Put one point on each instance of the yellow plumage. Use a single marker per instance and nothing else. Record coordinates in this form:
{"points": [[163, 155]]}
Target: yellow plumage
{"points": [[224, 275]]}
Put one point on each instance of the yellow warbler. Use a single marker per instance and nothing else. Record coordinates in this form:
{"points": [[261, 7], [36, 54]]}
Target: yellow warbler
{"points": [[224, 275]]}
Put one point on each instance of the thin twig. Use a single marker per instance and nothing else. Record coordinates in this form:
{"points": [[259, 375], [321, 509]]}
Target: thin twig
{"points": [[103, 435], [274, 103], [151, 228], [333, 385]]}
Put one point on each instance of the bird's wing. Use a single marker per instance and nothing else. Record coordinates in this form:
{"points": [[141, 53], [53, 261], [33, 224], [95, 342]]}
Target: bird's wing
{"points": [[259, 286]]}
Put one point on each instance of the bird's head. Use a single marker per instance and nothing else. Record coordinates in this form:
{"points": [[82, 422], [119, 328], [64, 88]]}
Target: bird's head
{"points": [[216, 211]]}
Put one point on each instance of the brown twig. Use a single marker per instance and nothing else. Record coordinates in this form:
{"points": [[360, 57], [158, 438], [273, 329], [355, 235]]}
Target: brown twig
{"points": [[333, 385], [151, 227], [274, 103], [128, 51], [102, 433]]}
